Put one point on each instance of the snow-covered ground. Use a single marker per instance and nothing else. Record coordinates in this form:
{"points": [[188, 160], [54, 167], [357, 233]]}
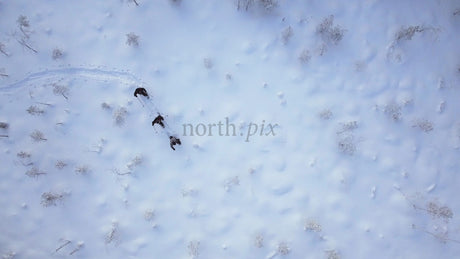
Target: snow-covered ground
{"points": [[356, 152]]}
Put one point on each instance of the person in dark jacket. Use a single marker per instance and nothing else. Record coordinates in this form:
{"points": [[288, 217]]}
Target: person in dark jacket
{"points": [[141, 91], [173, 141], [158, 120]]}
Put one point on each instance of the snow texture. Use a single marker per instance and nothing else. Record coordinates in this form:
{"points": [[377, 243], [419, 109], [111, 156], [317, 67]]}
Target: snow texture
{"points": [[309, 129]]}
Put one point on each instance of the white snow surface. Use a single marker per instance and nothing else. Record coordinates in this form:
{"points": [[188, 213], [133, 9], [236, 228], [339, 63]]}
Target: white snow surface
{"points": [[363, 160]]}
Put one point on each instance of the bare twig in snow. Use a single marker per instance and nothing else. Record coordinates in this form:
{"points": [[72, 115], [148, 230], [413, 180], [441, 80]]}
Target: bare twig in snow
{"points": [[117, 172], [34, 172], [113, 235], [82, 169], [61, 90], [47, 104], [2, 50], [287, 34], [66, 242], [25, 44], [79, 246]]}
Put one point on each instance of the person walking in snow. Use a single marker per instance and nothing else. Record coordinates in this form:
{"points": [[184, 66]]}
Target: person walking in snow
{"points": [[173, 141], [141, 91], [158, 120]]}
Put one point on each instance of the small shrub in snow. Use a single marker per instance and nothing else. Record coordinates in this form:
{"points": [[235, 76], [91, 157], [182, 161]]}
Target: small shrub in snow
{"points": [[113, 236], [132, 39], [136, 161], [287, 34], [23, 155], [346, 145], [259, 241], [4, 125], [268, 4], [332, 254], [99, 146], [360, 66], [23, 21], [208, 64], [424, 125], [406, 33], [82, 169], [189, 192], [457, 133], [329, 32], [35, 110], [135, 2], [346, 140], [456, 12], [437, 211], [25, 158], [119, 116], [60, 164], [9, 255], [230, 183], [34, 172], [348, 126], [23, 24], [312, 226], [193, 249], [393, 110], [51, 199], [304, 56], [57, 54], [283, 249], [149, 215], [322, 48], [257, 5], [61, 90], [176, 2], [38, 136], [325, 114], [106, 106]]}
